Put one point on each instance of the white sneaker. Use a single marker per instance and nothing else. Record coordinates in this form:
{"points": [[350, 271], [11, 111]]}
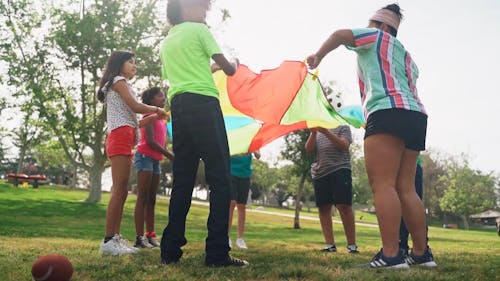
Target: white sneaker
{"points": [[124, 242], [241, 243], [230, 243], [114, 247], [153, 241]]}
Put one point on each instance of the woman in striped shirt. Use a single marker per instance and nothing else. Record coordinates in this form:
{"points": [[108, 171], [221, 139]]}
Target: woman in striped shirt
{"points": [[395, 131]]}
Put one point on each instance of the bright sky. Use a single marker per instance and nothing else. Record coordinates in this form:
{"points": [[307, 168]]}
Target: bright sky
{"points": [[454, 43]]}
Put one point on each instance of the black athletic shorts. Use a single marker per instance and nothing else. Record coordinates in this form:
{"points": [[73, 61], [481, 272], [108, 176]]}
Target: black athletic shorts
{"points": [[239, 189], [334, 188], [409, 125]]}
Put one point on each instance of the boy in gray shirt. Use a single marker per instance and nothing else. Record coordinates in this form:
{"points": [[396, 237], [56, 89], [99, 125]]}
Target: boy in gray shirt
{"points": [[331, 174]]}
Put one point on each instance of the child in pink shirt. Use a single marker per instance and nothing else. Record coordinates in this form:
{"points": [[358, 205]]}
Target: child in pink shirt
{"points": [[150, 152]]}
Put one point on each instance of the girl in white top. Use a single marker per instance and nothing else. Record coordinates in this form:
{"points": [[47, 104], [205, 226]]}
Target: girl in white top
{"points": [[122, 123]]}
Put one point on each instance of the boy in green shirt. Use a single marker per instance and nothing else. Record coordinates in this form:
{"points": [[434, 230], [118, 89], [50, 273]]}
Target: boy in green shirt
{"points": [[198, 130]]}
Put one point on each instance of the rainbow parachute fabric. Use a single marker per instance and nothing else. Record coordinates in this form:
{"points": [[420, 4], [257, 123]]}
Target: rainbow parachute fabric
{"points": [[259, 108]]}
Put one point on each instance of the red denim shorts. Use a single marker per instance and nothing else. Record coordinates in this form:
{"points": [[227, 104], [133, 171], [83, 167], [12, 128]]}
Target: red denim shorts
{"points": [[120, 141]]}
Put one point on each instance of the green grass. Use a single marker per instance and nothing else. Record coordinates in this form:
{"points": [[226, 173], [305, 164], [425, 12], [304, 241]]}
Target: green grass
{"points": [[36, 222]]}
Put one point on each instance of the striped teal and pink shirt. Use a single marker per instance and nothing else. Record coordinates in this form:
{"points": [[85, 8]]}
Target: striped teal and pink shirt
{"points": [[387, 74]]}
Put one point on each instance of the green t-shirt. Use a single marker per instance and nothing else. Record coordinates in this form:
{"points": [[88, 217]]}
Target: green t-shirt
{"points": [[419, 160], [185, 55]]}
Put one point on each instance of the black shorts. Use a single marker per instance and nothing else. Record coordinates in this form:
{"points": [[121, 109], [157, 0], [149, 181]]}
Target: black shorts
{"points": [[239, 189], [334, 188], [409, 125]]}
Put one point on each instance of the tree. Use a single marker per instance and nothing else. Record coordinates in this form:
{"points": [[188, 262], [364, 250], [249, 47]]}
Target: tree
{"points": [[6, 164], [19, 20], [469, 191], [59, 72], [3, 100], [280, 193], [361, 191], [120, 25], [295, 152], [284, 181], [434, 170], [256, 190], [263, 178], [25, 138], [52, 161]]}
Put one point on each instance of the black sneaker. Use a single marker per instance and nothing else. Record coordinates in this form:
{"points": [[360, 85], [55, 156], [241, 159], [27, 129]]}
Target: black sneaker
{"points": [[327, 249], [230, 261], [404, 251], [352, 249], [153, 241], [142, 242], [379, 260], [427, 259]]}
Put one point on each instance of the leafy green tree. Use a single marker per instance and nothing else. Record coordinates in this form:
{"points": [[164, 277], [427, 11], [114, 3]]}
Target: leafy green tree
{"points": [[281, 193], [59, 72], [3, 100], [5, 163], [52, 161], [120, 25], [263, 178], [434, 169], [26, 138], [256, 190], [25, 70], [272, 182], [308, 194], [361, 191], [295, 152], [284, 183], [468, 191]]}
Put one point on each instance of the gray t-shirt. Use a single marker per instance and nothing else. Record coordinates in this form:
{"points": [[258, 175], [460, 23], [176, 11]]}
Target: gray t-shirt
{"points": [[329, 158]]}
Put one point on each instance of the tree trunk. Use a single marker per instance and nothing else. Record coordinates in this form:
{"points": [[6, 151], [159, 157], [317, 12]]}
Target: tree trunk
{"points": [[95, 174], [74, 178], [466, 222], [20, 164], [296, 220]]}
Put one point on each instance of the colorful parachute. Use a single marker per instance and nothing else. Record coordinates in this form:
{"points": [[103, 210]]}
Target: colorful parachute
{"points": [[259, 108]]}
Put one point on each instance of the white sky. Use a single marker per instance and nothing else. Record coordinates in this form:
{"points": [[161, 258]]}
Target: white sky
{"points": [[454, 43]]}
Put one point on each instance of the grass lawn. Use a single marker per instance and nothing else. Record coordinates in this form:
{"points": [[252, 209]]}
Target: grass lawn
{"points": [[36, 222]]}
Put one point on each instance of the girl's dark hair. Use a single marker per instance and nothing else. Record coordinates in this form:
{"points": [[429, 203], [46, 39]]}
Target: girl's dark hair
{"points": [[397, 10], [112, 69], [174, 10], [149, 94], [174, 14]]}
